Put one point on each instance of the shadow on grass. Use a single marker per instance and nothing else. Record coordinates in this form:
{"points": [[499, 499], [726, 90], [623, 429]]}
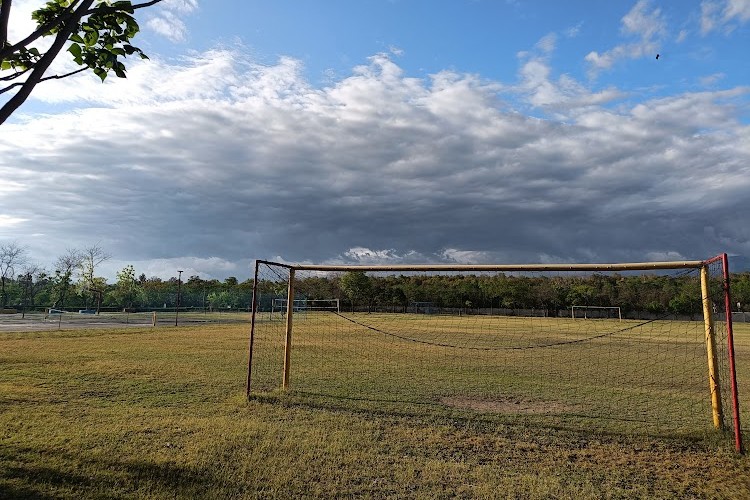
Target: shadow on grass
{"points": [[39, 472], [564, 429]]}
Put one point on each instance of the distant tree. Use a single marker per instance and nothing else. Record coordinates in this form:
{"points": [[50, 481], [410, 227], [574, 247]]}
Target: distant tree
{"points": [[195, 281], [88, 284], [398, 298], [127, 288], [514, 292], [65, 266], [740, 284], [313, 287], [549, 294], [11, 257], [97, 33], [357, 287], [33, 278], [156, 293], [220, 299], [686, 301], [580, 295]]}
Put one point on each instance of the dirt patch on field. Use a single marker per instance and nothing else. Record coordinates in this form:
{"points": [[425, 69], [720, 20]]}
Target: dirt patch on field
{"points": [[508, 405]]}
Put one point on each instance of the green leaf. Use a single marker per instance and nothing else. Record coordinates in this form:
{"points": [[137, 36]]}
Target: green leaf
{"points": [[100, 73], [5, 65], [91, 37], [132, 27], [124, 6], [75, 49]]}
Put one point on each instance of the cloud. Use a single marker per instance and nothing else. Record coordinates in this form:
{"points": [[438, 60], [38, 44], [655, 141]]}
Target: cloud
{"points": [[574, 31], [166, 268], [541, 90], [547, 43], [208, 162], [168, 25], [711, 80], [723, 14], [167, 21], [648, 27], [7, 220], [180, 6]]}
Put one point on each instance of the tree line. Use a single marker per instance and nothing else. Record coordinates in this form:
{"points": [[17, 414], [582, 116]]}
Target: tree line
{"points": [[653, 293], [73, 283]]}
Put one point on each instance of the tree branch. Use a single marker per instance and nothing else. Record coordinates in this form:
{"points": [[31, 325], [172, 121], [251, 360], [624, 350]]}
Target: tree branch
{"points": [[4, 18], [40, 31], [53, 77], [43, 64], [6, 51], [13, 76]]}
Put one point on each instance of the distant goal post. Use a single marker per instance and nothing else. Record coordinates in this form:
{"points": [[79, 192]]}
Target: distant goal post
{"points": [[391, 354], [596, 312], [304, 305]]}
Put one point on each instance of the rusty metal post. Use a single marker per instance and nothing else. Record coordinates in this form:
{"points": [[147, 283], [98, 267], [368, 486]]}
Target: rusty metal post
{"points": [[254, 308], [289, 323]]}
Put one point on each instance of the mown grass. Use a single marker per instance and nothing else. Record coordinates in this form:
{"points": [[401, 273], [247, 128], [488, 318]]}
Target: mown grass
{"points": [[161, 413]]}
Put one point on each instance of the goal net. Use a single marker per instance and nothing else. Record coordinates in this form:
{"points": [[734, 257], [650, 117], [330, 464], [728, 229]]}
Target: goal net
{"points": [[504, 343]]}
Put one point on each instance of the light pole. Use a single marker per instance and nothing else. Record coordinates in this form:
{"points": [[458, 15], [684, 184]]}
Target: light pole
{"points": [[179, 283]]}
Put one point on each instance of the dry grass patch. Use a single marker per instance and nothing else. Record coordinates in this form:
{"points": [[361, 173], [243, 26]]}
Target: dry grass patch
{"points": [[508, 405]]}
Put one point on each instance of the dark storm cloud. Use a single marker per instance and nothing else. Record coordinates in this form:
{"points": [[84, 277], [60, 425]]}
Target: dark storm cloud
{"points": [[380, 166]]}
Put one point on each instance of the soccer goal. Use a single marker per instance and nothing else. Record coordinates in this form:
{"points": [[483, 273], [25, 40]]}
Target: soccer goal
{"points": [[596, 312], [667, 369], [423, 308], [279, 306]]}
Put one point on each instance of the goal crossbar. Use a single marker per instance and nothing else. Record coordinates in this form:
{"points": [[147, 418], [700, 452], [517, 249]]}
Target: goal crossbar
{"points": [[631, 266]]}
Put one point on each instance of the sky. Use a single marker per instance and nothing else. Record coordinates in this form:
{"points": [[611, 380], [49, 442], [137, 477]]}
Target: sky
{"points": [[392, 131]]}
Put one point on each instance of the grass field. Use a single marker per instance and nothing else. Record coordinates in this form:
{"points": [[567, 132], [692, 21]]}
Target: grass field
{"points": [[161, 413]]}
